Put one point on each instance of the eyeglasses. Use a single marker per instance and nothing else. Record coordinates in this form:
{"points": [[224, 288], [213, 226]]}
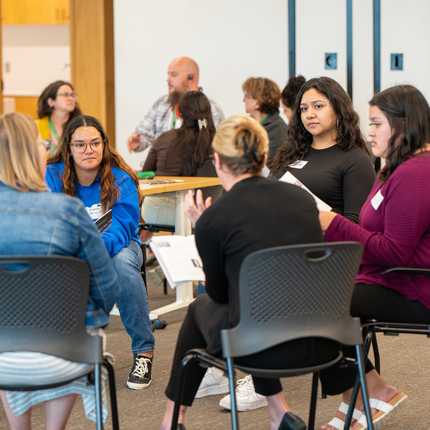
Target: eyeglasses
{"points": [[47, 145], [67, 95], [80, 148]]}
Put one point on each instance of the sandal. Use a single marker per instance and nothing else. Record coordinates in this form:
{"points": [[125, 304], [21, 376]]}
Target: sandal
{"points": [[338, 423], [385, 411]]}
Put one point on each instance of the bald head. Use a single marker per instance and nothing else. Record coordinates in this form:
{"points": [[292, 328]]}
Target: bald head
{"points": [[183, 75]]}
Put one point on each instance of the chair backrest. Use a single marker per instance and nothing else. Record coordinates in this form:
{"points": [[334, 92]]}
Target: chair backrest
{"points": [[208, 171], [293, 292], [43, 301]]}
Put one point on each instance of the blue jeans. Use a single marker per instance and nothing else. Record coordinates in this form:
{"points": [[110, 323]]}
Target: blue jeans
{"points": [[133, 303]]}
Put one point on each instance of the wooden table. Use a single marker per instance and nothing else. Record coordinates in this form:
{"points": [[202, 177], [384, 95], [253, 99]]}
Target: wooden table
{"points": [[178, 190]]}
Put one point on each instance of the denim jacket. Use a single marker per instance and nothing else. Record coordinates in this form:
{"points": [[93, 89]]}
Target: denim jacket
{"points": [[44, 223]]}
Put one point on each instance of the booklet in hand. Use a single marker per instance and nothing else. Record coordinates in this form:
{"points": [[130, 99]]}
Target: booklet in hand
{"points": [[291, 179], [178, 258], [104, 222]]}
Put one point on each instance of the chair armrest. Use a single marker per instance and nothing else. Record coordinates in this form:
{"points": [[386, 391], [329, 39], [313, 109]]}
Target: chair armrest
{"points": [[156, 227], [409, 270]]}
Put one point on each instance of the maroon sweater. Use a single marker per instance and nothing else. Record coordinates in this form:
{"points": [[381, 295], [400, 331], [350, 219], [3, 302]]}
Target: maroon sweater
{"points": [[394, 229]]}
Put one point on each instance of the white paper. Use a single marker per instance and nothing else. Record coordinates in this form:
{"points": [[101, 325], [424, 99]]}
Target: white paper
{"points": [[178, 258], [291, 179]]}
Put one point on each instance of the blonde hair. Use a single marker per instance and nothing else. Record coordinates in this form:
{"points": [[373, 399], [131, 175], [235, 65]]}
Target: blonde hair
{"points": [[20, 164], [241, 143]]}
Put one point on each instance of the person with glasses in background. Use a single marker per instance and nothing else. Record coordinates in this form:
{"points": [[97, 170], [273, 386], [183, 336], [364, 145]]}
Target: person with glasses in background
{"points": [[56, 106], [87, 167]]}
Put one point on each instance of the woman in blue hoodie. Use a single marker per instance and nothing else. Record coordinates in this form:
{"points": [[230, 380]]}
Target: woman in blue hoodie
{"points": [[87, 167]]}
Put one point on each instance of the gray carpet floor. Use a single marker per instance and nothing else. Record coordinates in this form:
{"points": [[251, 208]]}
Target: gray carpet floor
{"points": [[405, 364]]}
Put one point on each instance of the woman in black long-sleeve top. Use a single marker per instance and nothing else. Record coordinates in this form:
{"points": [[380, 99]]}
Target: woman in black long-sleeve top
{"points": [[254, 214]]}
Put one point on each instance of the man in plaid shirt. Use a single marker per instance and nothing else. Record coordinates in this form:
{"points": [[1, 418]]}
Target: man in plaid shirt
{"points": [[182, 76]]}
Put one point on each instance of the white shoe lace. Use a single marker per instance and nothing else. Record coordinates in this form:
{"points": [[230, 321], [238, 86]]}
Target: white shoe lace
{"points": [[245, 385], [141, 366]]}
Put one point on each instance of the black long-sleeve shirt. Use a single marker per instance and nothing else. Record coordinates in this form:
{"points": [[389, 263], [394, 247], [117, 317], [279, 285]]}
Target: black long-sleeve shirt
{"points": [[255, 214], [342, 179]]}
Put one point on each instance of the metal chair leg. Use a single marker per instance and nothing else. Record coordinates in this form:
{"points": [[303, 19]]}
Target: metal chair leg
{"points": [[363, 384], [313, 406], [234, 416], [98, 390], [180, 388], [112, 392]]}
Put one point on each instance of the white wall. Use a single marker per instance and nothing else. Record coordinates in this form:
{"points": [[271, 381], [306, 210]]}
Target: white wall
{"points": [[233, 40], [230, 40], [36, 55]]}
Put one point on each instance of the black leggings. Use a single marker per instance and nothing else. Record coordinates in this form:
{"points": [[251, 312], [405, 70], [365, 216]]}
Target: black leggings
{"points": [[382, 304], [195, 333]]}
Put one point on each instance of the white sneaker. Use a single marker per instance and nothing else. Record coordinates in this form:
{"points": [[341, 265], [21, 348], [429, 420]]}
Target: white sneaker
{"points": [[246, 397], [214, 382]]}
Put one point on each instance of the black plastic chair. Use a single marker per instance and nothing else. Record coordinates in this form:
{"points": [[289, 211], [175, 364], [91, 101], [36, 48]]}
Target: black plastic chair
{"points": [[42, 309], [288, 293]]}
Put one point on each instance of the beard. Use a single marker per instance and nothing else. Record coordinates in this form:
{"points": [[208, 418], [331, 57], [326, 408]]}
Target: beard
{"points": [[175, 96]]}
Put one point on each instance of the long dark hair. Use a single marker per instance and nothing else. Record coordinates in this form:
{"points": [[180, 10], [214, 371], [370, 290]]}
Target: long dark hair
{"points": [[298, 139], [50, 92], [109, 191], [408, 114], [193, 143], [289, 93]]}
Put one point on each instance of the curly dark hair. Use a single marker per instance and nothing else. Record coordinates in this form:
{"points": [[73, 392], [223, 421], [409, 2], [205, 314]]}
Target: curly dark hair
{"points": [[408, 114], [298, 139], [50, 92], [109, 191], [265, 91], [194, 145], [291, 90]]}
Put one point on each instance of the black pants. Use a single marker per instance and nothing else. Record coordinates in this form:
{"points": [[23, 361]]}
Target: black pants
{"points": [[380, 303], [195, 333]]}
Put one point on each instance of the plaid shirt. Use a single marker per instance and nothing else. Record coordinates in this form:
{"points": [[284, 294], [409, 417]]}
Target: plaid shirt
{"points": [[159, 119]]}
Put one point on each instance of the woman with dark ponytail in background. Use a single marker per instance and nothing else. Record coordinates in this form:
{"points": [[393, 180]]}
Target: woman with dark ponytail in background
{"points": [[180, 152]]}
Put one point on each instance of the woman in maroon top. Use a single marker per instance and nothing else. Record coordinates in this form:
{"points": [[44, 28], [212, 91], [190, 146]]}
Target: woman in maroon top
{"points": [[394, 229]]}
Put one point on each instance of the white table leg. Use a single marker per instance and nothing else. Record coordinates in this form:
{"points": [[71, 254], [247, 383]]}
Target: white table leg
{"points": [[184, 292]]}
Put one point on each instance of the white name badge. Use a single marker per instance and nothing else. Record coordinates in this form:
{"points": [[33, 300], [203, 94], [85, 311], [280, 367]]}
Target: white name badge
{"points": [[298, 164], [377, 200], [95, 211]]}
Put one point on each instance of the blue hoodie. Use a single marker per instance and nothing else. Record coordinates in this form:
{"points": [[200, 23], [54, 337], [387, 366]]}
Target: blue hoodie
{"points": [[125, 211]]}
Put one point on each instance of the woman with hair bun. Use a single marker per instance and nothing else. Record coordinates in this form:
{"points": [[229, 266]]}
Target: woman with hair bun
{"points": [[325, 149], [179, 152], [56, 106], [243, 220], [289, 94]]}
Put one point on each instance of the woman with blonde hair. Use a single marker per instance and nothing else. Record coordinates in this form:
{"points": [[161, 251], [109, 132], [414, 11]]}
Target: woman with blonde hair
{"points": [[87, 167], [243, 220], [61, 227]]}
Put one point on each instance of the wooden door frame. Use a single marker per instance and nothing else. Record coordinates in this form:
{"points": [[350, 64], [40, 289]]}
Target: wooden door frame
{"points": [[92, 59]]}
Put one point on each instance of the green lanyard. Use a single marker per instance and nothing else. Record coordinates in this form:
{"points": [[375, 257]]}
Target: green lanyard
{"points": [[174, 115], [264, 119], [54, 131]]}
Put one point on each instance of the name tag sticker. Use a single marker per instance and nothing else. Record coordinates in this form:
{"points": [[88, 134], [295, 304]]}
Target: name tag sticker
{"points": [[298, 164], [377, 200], [95, 211]]}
